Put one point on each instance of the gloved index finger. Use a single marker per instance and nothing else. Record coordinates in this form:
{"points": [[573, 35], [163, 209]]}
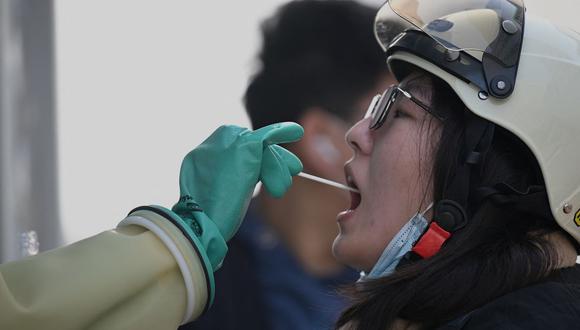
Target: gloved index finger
{"points": [[279, 133], [294, 164]]}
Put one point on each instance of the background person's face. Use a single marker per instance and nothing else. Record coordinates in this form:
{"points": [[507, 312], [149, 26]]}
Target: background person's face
{"points": [[391, 167]]}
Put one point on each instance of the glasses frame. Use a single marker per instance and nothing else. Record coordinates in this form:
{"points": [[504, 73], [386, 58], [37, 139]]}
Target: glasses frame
{"points": [[382, 103]]}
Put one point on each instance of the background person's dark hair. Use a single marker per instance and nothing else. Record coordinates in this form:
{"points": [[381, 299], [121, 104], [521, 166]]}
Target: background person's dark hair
{"points": [[499, 250], [314, 54]]}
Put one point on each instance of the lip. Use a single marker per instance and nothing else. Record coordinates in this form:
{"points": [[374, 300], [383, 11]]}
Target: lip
{"points": [[344, 216]]}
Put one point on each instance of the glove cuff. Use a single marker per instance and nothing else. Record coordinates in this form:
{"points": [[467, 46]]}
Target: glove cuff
{"points": [[204, 228], [179, 238]]}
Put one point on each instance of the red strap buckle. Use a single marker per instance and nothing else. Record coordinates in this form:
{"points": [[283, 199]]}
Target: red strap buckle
{"points": [[431, 242]]}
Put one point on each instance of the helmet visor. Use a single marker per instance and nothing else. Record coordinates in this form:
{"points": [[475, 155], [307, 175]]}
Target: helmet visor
{"points": [[494, 27]]}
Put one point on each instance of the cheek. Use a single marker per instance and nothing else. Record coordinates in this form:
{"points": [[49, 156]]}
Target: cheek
{"points": [[395, 191], [395, 176]]}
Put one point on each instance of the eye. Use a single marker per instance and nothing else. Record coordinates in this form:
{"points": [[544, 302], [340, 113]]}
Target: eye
{"points": [[398, 114]]}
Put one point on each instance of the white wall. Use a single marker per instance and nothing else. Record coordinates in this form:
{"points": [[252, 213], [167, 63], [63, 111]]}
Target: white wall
{"points": [[141, 82]]}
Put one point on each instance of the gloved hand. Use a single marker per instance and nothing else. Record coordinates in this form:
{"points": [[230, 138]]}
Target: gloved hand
{"points": [[220, 175], [216, 183]]}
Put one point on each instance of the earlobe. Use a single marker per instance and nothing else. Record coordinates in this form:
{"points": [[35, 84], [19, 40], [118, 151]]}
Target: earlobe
{"points": [[320, 148], [326, 149]]}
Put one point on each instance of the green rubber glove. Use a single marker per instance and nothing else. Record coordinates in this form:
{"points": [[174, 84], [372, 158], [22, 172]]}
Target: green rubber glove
{"points": [[219, 177]]}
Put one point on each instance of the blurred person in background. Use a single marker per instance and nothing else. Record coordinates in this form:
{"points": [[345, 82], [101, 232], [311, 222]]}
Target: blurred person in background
{"points": [[319, 66]]}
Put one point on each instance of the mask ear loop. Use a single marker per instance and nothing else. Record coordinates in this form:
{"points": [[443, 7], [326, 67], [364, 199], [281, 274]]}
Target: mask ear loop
{"points": [[427, 209]]}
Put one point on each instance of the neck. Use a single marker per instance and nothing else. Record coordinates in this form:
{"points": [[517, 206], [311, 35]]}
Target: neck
{"points": [[305, 220]]}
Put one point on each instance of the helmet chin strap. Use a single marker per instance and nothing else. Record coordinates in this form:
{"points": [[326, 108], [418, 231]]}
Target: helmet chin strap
{"points": [[451, 212], [477, 142]]}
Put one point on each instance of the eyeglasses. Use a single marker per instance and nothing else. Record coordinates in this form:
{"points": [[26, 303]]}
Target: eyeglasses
{"points": [[381, 105]]}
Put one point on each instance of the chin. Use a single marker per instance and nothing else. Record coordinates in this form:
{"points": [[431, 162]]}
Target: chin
{"points": [[337, 248], [345, 252]]}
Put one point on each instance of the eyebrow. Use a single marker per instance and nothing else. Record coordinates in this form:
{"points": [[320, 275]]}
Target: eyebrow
{"points": [[418, 87]]}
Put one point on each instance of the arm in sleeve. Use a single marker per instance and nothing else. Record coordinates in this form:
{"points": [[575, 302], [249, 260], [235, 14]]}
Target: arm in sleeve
{"points": [[144, 274]]}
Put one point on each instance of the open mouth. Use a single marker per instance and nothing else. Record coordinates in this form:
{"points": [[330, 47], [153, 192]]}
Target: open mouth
{"points": [[355, 198]]}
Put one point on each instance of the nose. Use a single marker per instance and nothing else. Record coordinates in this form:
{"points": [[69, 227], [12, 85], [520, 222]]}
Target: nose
{"points": [[359, 137]]}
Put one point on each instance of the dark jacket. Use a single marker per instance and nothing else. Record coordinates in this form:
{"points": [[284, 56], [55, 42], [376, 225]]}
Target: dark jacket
{"points": [[262, 286], [237, 302], [552, 304]]}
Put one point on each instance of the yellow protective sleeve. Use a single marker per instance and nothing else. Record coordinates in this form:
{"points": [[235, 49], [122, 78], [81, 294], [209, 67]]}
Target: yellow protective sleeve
{"points": [[120, 279]]}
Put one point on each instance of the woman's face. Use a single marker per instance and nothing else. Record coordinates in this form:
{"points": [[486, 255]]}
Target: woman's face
{"points": [[391, 167]]}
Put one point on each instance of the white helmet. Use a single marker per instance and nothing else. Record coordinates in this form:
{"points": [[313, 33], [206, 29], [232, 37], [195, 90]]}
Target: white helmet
{"points": [[480, 47]]}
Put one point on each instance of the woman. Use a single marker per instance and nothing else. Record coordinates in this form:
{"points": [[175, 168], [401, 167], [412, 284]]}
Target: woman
{"points": [[494, 156]]}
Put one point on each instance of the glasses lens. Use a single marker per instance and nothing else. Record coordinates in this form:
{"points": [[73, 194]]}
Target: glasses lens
{"points": [[381, 110]]}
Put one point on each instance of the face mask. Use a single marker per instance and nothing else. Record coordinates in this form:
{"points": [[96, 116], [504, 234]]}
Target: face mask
{"points": [[399, 246]]}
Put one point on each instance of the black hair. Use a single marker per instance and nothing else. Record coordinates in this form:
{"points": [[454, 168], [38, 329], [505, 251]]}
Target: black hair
{"points": [[314, 54], [500, 249]]}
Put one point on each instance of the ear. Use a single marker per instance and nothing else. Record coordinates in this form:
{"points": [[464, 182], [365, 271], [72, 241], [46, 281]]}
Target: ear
{"points": [[323, 150]]}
